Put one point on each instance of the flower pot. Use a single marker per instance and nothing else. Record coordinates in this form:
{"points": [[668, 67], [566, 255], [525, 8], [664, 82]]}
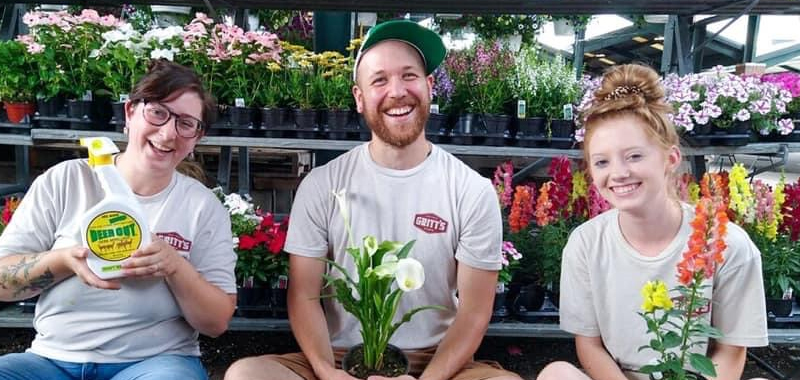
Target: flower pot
{"points": [[531, 127], [561, 133], [118, 120], [563, 28], [242, 117], [779, 307], [500, 311], [50, 107], [168, 15], [271, 118], [252, 302], [463, 131], [690, 375], [737, 134], [337, 122], [81, 110], [530, 298], [277, 303], [17, 112], [395, 362]]}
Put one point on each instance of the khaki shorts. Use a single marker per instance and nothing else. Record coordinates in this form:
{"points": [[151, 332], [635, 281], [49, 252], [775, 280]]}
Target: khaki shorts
{"points": [[475, 370]]}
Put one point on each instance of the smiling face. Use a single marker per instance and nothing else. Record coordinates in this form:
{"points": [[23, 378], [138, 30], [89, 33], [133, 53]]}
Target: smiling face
{"points": [[393, 92], [159, 150], [628, 167]]}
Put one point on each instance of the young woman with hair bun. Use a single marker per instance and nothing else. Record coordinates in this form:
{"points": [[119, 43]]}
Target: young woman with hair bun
{"points": [[631, 150]]}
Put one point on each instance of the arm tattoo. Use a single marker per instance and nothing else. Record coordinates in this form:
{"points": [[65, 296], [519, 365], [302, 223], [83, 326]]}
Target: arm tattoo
{"points": [[17, 277]]}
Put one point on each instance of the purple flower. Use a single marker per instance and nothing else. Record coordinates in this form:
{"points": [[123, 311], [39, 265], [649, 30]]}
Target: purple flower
{"points": [[742, 115], [785, 126]]}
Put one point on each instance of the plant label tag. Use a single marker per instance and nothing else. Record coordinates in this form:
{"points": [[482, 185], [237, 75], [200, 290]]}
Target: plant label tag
{"points": [[567, 111], [434, 108], [521, 109], [500, 288], [87, 95], [281, 283], [239, 102], [124, 98]]}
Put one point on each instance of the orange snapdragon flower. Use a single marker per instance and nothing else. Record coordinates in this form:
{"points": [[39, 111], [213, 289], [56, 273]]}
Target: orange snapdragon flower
{"points": [[521, 208], [706, 243]]}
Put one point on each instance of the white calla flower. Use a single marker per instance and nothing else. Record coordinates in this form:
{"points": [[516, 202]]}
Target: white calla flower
{"points": [[371, 244], [388, 266], [410, 275]]}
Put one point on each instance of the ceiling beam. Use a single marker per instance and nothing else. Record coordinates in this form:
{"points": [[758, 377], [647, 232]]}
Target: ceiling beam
{"points": [[779, 56], [622, 35], [558, 7]]}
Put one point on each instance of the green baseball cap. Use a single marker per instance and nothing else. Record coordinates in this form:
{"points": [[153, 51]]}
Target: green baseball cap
{"points": [[427, 42]]}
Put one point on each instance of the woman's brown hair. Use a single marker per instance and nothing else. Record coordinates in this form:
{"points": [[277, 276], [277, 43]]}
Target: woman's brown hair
{"points": [[167, 80]]}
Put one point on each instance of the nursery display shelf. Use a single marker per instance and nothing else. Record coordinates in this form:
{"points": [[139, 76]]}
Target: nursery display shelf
{"points": [[15, 139], [38, 134], [12, 317]]}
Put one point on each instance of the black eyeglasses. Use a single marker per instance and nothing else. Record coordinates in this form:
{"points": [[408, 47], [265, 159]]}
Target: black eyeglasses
{"points": [[158, 114]]}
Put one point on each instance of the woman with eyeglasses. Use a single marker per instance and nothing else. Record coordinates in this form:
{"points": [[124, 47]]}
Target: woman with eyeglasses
{"points": [[145, 325]]}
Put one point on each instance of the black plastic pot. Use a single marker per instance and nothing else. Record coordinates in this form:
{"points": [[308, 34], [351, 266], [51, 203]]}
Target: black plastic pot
{"points": [[395, 362]]}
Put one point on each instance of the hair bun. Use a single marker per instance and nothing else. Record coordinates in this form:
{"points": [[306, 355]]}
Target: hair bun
{"points": [[630, 81]]}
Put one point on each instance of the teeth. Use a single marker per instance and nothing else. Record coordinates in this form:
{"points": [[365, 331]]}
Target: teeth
{"points": [[399, 111], [160, 147], [624, 189]]}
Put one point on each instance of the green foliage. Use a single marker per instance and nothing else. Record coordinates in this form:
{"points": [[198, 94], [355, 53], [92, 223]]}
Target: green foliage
{"points": [[18, 74], [780, 264], [369, 296], [545, 84], [121, 68], [579, 22], [494, 26], [677, 331], [333, 81]]}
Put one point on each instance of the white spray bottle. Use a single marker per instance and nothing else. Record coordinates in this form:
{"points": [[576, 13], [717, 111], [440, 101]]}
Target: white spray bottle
{"points": [[116, 226]]}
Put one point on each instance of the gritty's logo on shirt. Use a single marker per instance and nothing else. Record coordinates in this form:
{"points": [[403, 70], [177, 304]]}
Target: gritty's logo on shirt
{"points": [[177, 241], [430, 223]]}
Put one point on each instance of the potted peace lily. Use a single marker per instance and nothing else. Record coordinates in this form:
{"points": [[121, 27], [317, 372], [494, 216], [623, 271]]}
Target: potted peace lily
{"points": [[384, 272]]}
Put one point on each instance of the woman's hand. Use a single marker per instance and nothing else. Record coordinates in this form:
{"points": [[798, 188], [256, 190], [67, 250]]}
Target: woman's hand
{"points": [[75, 259], [157, 259]]}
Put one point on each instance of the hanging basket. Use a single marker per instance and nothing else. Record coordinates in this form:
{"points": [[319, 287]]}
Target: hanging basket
{"points": [[563, 28]]}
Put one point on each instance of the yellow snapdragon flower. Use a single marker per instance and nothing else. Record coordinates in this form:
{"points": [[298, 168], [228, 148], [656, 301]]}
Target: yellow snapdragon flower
{"points": [[655, 296]]}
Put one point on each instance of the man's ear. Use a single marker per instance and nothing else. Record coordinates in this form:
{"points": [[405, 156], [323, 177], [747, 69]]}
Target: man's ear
{"points": [[358, 95]]}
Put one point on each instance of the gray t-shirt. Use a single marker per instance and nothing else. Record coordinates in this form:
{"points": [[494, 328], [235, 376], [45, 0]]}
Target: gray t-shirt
{"points": [[449, 209], [602, 276], [78, 323]]}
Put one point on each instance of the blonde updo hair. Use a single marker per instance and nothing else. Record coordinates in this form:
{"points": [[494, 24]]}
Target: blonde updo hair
{"points": [[631, 89]]}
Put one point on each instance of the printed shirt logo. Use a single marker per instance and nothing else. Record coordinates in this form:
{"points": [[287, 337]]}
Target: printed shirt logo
{"points": [[175, 240], [430, 223]]}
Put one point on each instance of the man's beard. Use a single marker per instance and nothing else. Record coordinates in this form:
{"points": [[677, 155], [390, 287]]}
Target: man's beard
{"points": [[397, 136]]}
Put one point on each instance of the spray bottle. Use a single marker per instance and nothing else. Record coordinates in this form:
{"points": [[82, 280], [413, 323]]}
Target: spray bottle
{"points": [[116, 226]]}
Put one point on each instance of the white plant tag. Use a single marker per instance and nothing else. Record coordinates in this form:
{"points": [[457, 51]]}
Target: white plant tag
{"points": [[434, 108], [124, 98], [87, 95], [522, 109], [239, 102], [567, 111]]}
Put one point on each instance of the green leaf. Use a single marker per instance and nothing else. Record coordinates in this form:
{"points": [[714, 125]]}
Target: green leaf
{"points": [[671, 340], [702, 364]]}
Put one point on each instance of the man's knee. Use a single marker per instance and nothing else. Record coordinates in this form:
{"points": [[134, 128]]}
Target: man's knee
{"points": [[255, 367], [560, 371]]}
